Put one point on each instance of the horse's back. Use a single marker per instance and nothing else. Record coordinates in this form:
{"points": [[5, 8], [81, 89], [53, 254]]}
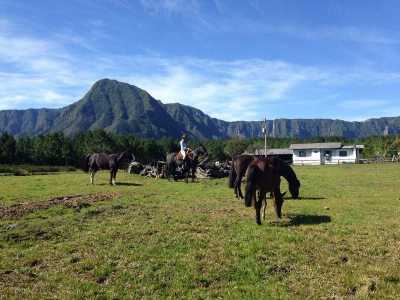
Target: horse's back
{"points": [[268, 175], [99, 161]]}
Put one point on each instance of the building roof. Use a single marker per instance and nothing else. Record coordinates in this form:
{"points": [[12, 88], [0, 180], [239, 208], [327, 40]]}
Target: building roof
{"points": [[352, 146], [276, 151], [316, 146], [323, 146], [279, 151]]}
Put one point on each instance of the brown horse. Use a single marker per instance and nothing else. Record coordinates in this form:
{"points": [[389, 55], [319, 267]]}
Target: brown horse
{"points": [[239, 167], [263, 177], [188, 166], [102, 161]]}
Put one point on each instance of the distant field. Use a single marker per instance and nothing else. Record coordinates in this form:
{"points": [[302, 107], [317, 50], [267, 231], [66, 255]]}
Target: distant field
{"points": [[25, 170], [158, 239]]}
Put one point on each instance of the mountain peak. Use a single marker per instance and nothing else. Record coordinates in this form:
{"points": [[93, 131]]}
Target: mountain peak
{"points": [[124, 108], [108, 82], [112, 88]]}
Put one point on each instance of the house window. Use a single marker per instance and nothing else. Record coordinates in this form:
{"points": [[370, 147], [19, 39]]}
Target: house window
{"points": [[302, 153], [342, 153]]}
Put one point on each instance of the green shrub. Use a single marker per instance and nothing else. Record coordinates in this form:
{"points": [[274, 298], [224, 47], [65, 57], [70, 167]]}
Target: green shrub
{"points": [[21, 172]]}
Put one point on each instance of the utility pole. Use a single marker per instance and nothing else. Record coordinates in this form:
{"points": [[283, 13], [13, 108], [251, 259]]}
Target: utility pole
{"points": [[273, 128], [264, 130]]}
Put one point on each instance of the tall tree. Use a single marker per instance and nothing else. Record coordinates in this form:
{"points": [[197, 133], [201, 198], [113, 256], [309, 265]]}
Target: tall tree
{"points": [[7, 148]]}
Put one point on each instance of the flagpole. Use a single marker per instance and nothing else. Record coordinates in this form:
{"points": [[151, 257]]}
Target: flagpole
{"points": [[265, 136]]}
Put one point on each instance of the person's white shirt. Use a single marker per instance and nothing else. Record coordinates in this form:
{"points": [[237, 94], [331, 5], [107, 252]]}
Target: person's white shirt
{"points": [[183, 148]]}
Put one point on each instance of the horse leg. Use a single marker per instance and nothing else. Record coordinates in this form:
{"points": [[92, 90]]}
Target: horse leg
{"points": [[280, 204], [185, 171], [258, 204], [111, 177], [174, 173], [92, 172], [263, 199], [114, 181], [237, 186], [168, 171], [239, 182], [278, 201], [193, 174]]}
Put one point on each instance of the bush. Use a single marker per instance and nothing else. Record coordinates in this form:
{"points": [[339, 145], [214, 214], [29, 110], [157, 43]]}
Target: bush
{"points": [[21, 172]]}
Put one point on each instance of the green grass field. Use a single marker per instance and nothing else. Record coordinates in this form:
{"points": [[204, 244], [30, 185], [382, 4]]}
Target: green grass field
{"points": [[159, 239]]}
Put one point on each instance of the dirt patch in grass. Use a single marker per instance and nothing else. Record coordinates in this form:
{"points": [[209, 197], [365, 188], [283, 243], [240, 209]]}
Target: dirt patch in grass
{"points": [[17, 211]]}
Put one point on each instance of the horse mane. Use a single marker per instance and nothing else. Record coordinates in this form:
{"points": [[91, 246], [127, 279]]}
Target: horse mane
{"points": [[84, 163], [286, 169], [121, 155]]}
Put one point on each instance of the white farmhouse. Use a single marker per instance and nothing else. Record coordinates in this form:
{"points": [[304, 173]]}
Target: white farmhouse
{"points": [[325, 153]]}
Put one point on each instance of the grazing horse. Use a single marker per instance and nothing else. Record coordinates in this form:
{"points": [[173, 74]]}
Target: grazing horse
{"points": [[239, 167], [101, 161], [263, 177], [189, 165]]}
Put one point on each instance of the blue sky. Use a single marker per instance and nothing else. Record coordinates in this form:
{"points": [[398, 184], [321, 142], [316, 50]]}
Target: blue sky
{"points": [[235, 60]]}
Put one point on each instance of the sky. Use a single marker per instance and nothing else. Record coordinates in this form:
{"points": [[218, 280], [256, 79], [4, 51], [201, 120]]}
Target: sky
{"points": [[235, 60]]}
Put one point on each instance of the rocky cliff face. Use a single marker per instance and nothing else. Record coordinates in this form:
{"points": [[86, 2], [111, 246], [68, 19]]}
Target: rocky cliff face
{"points": [[124, 108]]}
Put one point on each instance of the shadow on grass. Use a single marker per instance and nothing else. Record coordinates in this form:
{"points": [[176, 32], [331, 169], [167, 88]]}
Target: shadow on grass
{"points": [[310, 198], [122, 183], [129, 183], [301, 198], [308, 219], [296, 220]]}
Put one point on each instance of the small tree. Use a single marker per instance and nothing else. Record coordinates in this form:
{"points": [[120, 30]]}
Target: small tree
{"points": [[7, 148], [235, 146]]}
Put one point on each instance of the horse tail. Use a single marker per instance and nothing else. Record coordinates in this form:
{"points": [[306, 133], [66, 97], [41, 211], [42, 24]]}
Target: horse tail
{"points": [[232, 176], [85, 163], [251, 184]]}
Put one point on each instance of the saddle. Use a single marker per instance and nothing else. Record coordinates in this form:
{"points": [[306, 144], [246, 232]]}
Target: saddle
{"points": [[189, 155]]}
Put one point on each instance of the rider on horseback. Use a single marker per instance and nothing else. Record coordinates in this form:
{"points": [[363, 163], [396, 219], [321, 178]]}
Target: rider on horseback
{"points": [[184, 148]]}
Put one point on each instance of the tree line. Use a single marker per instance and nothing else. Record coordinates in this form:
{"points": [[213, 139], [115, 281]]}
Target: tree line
{"points": [[59, 149]]}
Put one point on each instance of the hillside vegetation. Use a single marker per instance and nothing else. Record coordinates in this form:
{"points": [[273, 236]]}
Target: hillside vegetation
{"points": [[123, 108]]}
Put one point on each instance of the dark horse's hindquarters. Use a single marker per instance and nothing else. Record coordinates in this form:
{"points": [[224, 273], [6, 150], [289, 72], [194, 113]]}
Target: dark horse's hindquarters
{"points": [[101, 161], [263, 177]]}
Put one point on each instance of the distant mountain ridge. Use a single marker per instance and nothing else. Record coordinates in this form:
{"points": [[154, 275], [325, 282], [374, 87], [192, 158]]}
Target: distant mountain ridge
{"points": [[123, 108]]}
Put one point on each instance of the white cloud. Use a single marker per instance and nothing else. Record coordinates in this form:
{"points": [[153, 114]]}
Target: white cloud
{"points": [[364, 103], [341, 33], [223, 89], [171, 6], [38, 72]]}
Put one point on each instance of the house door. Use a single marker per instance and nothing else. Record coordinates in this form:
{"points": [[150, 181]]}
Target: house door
{"points": [[326, 156]]}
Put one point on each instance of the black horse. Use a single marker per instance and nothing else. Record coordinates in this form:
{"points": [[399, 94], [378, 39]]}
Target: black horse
{"points": [[188, 166], [102, 161], [239, 167], [263, 177]]}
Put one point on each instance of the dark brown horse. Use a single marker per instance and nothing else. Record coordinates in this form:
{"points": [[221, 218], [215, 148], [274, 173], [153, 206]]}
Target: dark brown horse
{"points": [[239, 167], [263, 177], [102, 161], [188, 166]]}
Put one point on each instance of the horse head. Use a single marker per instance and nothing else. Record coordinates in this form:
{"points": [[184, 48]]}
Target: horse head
{"points": [[294, 189], [126, 156], [200, 151]]}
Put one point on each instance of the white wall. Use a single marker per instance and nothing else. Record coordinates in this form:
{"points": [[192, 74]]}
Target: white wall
{"points": [[316, 156], [337, 159], [313, 157]]}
